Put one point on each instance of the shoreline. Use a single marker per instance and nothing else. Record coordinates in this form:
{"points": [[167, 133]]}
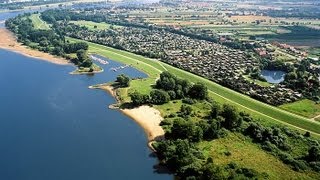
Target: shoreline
{"points": [[148, 118], [9, 42]]}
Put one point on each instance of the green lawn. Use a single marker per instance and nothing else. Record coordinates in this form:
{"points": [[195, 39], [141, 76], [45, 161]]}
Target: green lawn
{"points": [[265, 113], [306, 108], [38, 22], [93, 25]]}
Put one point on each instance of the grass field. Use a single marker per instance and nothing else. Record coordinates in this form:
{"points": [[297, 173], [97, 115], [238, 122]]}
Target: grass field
{"points": [[306, 108], [93, 25], [239, 149], [265, 113], [38, 22]]}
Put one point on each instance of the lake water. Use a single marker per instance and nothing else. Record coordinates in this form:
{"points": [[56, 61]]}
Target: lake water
{"points": [[273, 77], [52, 127]]}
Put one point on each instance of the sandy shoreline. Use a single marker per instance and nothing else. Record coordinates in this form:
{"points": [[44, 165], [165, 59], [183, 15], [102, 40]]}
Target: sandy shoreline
{"points": [[147, 117], [9, 42]]}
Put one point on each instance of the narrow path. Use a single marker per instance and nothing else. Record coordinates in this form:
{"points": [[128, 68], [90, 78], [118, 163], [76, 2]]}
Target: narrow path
{"points": [[316, 117]]}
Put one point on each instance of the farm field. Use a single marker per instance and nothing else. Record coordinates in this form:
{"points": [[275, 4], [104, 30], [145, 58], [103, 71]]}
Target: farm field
{"points": [[265, 113]]}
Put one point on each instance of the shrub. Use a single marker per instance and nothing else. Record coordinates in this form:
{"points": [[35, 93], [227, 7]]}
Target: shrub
{"points": [[188, 101]]}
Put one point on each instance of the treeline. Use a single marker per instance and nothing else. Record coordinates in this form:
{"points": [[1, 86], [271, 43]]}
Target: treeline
{"points": [[48, 40], [296, 32], [309, 13]]}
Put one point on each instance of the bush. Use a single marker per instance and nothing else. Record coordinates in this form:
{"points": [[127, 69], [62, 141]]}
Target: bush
{"points": [[199, 91], [188, 101], [123, 80]]}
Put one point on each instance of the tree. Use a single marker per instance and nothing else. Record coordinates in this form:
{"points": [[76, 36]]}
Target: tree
{"points": [[82, 55], [139, 99], [199, 91], [159, 97], [123, 80], [231, 117]]}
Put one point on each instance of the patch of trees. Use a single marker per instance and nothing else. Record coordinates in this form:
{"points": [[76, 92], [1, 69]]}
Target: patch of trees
{"points": [[304, 79], [123, 80], [169, 87], [276, 65], [180, 88]]}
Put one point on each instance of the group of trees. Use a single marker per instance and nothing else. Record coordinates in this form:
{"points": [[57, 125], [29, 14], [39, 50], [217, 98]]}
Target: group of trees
{"points": [[48, 40], [180, 88], [304, 79], [169, 87]]}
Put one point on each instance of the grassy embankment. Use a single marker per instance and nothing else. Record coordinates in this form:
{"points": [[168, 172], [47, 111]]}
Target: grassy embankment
{"points": [[267, 114], [306, 108], [38, 22]]}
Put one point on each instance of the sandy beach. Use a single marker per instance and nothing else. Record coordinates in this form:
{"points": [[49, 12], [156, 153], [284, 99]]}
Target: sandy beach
{"points": [[9, 42], [147, 117]]}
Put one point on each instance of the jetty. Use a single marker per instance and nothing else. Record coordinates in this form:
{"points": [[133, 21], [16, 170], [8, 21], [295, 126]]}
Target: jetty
{"points": [[115, 69], [99, 60]]}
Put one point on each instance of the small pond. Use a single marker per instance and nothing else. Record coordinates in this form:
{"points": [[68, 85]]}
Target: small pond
{"points": [[273, 77]]}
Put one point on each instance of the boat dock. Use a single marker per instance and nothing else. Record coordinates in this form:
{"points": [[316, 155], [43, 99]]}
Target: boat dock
{"points": [[115, 69], [99, 60]]}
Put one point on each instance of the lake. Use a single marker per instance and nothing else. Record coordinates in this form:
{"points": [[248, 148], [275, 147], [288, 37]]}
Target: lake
{"points": [[52, 127], [274, 77]]}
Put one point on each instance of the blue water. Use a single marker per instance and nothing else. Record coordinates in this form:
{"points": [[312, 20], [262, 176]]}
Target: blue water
{"points": [[52, 127], [273, 77]]}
